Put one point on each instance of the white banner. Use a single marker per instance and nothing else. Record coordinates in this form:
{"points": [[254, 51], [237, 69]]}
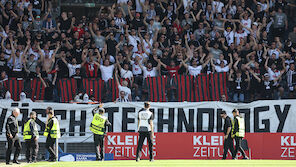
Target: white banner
{"points": [[260, 116]]}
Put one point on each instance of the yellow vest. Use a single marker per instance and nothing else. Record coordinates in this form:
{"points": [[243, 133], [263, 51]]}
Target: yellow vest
{"points": [[97, 125], [241, 127], [55, 130], [27, 131]]}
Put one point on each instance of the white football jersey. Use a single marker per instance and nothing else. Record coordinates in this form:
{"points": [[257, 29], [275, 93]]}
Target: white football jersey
{"points": [[144, 118]]}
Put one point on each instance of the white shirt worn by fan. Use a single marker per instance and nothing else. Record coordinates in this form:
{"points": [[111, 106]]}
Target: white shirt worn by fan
{"points": [[126, 74], [194, 71], [127, 91], [151, 73], [133, 40], [72, 68], [240, 36], [220, 69], [107, 72], [136, 69]]}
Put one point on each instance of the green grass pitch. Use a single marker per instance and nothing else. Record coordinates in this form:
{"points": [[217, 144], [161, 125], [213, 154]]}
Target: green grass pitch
{"points": [[164, 163]]}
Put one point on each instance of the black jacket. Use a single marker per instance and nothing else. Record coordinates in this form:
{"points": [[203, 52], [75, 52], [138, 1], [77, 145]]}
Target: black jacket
{"points": [[33, 131], [11, 126], [227, 124], [235, 127], [49, 124]]}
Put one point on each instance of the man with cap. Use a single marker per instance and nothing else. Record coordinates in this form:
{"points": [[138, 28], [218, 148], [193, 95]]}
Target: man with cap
{"points": [[228, 141], [52, 133], [238, 133], [12, 136], [98, 127], [145, 129], [31, 136]]}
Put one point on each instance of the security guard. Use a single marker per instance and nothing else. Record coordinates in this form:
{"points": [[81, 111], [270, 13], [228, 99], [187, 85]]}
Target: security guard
{"points": [[12, 136], [145, 129], [238, 133], [98, 127], [52, 132], [228, 141], [31, 137]]}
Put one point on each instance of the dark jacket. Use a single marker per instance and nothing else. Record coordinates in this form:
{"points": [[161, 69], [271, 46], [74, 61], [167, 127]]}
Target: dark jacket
{"points": [[33, 129], [49, 125], [235, 127], [11, 126], [227, 124]]}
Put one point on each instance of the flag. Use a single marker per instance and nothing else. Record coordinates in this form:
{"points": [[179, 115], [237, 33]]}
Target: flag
{"points": [[192, 89], [218, 85], [93, 87], [15, 86], [67, 89], [37, 89], [201, 90], [184, 86], [156, 88], [111, 89]]}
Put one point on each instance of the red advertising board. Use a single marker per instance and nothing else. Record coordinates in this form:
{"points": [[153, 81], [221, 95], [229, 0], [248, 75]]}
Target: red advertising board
{"points": [[201, 145]]}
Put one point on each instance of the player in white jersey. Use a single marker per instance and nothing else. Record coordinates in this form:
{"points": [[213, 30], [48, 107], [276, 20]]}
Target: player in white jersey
{"points": [[145, 129]]}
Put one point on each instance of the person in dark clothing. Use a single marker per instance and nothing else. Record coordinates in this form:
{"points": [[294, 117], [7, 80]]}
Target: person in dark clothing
{"points": [[52, 133], [98, 127], [228, 141], [12, 136], [238, 133], [145, 129], [31, 137]]}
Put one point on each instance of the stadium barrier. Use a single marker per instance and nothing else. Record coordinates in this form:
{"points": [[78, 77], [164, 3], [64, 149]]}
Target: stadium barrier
{"points": [[204, 87], [201, 145], [270, 125]]}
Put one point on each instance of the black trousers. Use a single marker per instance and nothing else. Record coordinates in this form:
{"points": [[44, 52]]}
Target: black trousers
{"points": [[99, 145], [14, 142], [31, 149], [228, 145], [238, 147], [50, 147], [142, 137]]}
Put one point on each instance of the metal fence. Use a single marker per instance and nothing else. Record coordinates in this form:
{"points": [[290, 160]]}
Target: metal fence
{"points": [[86, 146]]}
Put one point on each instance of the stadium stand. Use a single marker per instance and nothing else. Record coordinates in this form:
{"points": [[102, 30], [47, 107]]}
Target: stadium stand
{"points": [[174, 50]]}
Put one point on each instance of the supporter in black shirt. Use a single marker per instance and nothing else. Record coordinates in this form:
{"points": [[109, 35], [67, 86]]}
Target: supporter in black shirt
{"points": [[267, 88], [111, 44], [239, 85], [63, 71], [77, 76], [64, 24], [256, 72], [137, 22], [3, 62], [77, 51], [228, 140]]}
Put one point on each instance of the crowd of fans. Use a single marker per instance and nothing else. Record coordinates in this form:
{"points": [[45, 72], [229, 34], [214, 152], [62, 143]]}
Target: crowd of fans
{"points": [[254, 41]]}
